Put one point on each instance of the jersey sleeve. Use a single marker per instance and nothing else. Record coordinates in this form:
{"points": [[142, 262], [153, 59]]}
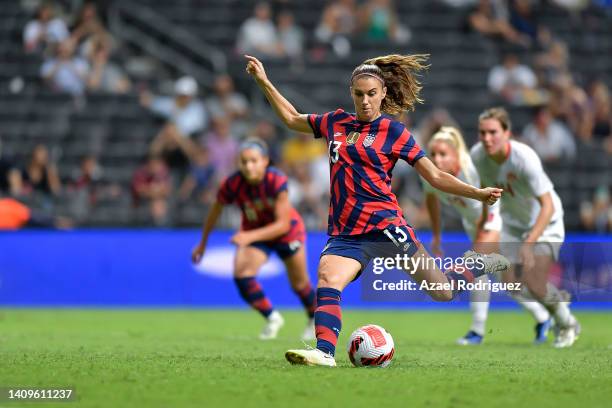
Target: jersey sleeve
{"points": [[538, 181], [407, 148], [279, 184], [321, 124], [225, 194]]}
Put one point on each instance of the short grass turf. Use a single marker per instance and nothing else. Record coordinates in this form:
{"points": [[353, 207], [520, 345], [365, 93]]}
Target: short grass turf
{"points": [[212, 358]]}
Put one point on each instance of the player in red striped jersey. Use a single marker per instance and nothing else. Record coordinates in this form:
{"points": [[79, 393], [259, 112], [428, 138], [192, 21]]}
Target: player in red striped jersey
{"points": [[269, 223], [365, 219]]}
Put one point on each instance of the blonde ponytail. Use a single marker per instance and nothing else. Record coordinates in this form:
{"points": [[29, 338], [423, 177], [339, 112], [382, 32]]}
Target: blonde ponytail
{"points": [[452, 136]]}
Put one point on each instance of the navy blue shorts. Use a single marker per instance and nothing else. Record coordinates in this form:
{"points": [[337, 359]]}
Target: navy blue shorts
{"points": [[282, 249], [388, 242]]}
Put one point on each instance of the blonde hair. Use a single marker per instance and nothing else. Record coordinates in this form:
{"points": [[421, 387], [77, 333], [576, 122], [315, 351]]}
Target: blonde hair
{"points": [[452, 136], [399, 74]]}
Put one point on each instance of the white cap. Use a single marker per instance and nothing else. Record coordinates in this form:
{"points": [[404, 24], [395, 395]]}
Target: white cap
{"points": [[186, 86]]}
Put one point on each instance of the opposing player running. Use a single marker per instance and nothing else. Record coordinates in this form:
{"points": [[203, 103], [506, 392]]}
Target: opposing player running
{"points": [[269, 223], [365, 220], [449, 153], [532, 215]]}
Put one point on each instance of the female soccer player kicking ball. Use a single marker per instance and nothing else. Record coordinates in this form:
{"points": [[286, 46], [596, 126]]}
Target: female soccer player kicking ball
{"points": [[365, 220], [269, 223], [532, 215]]}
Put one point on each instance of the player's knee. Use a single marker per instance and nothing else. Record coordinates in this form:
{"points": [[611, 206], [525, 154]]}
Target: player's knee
{"points": [[245, 272], [327, 279]]}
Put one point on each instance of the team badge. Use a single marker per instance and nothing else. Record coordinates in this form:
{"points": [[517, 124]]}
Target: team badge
{"points": [[352, 138], [369, 139]]}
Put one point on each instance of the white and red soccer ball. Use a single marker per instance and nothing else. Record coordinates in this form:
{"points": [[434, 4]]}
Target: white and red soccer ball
{"points": [[371, 346]]}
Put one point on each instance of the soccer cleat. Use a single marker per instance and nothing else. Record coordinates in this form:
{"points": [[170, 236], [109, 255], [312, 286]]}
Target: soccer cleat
{"points": [[309, 331], [273, 325], [470, 339], [567, 336], [541, 331], [313, 357], [494, 264]]}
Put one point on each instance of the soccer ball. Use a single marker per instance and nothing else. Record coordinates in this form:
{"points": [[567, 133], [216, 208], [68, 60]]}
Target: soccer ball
{"points": [[371, 346]]}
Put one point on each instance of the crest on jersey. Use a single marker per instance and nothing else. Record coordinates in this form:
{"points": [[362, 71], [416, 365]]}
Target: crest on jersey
{"points": [[369, 140], [352, 138]]}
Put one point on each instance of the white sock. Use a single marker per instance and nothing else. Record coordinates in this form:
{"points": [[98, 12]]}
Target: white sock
{"points": [[479, 305], [553, 301], [537, 310]]}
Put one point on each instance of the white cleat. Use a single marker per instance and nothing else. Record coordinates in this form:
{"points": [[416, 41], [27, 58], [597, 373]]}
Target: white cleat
{"points": [[494, 264], [567, 336], [273, 325], [309, 331], [314, 357]]}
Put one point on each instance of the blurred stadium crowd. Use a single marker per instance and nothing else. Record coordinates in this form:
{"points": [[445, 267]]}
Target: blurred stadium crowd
{"points": [[98, 127]]}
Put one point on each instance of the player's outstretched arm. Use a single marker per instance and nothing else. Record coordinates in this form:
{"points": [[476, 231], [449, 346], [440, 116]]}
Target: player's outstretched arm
{"points": [[209, 224], [452, 185], [282, 107]]}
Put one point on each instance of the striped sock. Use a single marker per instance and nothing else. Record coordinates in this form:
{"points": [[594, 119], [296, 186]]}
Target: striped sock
{"points": [[328, 319], [307, 297], [252, 293]]}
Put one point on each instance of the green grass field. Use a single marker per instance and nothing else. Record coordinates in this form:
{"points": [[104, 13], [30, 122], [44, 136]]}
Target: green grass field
{"points": [[178, 358]]}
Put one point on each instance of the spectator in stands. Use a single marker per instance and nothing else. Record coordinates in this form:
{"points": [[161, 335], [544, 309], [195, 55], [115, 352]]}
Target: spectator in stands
{"points": [[105, 75], [88, 187], [514, 82], [258, 35], [524, 19], [11, 181], [45, 30], [379, 21], [596, 215], [599, 118], [200, 179], [490, 18], [226, 102], [40, 174], [222, 146], [338, 23], [551, 140], [185, 117], [569, 103], [291, 37], [151, 184], [552, 63], [183, 110], [66, 72], [89, 28]]}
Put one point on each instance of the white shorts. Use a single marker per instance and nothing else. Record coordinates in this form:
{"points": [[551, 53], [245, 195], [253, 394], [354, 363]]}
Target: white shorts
{"points": [[494, 223], [549, 242]]}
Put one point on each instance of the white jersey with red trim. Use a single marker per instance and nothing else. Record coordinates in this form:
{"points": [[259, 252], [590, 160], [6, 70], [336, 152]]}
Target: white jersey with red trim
{"points": [[523, 179], [469, 209]]}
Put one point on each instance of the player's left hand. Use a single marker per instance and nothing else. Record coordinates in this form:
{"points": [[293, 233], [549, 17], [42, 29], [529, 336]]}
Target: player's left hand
{"points": [[490, 195], [241, 238]]}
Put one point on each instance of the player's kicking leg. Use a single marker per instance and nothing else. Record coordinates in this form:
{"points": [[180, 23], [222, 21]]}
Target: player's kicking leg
{"points": [[335, 272], [247, 262]]}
